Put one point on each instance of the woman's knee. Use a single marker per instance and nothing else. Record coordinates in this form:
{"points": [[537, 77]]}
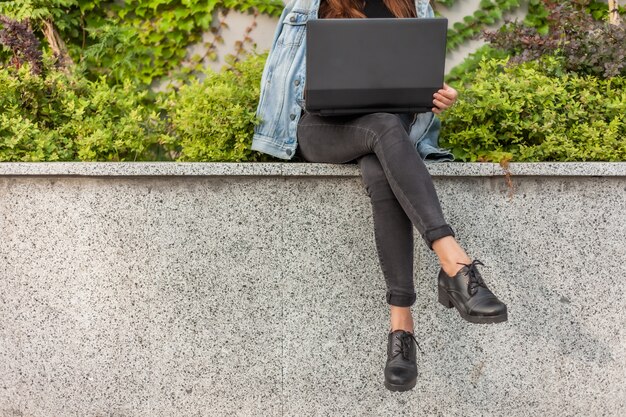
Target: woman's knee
{"points": [[387, 130], [383, 122]]}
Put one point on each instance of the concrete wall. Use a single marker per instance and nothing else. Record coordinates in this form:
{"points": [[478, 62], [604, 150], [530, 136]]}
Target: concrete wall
{"points": [[192, 289]]}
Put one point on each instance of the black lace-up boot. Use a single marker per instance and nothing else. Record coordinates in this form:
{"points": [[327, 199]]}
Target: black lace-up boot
{"points": [[400, 369], [469, 294]]}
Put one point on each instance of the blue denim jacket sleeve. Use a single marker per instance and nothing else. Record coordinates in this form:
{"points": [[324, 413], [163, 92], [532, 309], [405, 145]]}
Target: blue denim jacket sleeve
{"points": [[428, 143], [282, 88], [282, 82]]}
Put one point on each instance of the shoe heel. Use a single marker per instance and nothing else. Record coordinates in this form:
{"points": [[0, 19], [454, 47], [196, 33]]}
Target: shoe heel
{"points": [[444, 299]]}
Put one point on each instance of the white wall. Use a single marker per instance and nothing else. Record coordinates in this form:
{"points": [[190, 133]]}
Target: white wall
{"points": [[457, 13], [264, 31]]}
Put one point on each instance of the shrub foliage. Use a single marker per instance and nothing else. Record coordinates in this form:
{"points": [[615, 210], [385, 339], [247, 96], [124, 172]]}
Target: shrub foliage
{"points": [[535, 111], [213, 119], [587, 45], [64, 117], [86, 96]]}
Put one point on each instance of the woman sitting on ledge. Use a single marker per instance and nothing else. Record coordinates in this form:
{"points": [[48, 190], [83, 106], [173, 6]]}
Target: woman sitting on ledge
{"points": [[393, 172]]}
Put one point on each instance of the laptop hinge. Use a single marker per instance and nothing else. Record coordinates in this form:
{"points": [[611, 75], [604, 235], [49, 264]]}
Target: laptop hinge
{"points": [[339, 112]]}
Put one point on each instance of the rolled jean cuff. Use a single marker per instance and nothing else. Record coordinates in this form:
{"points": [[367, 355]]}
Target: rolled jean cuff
{"points": [[401, 300], [433, 234]]}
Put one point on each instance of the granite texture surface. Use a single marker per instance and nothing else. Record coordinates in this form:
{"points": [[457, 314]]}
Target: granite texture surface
{"points": [[149, 169], [158, 289]]}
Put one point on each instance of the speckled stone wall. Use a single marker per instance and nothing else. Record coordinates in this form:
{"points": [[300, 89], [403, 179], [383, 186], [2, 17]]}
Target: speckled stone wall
{"points": [[162, 289]]}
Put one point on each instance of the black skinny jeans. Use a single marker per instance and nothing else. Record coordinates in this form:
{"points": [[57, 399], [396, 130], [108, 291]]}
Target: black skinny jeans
{"points": [[395, 177]]}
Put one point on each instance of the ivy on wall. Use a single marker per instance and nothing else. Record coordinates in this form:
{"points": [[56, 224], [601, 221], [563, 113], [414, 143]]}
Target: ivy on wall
{"points": [[146, 40], [140, 39], [490, 12], [167, 27]]}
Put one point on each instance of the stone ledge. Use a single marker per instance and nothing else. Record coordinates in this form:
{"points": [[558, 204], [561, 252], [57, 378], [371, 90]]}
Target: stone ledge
{"points": [[158, 289], [288, 169]]}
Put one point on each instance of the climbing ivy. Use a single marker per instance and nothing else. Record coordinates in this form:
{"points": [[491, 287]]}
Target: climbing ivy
{"points": [[139, 39], [490, 12], [166, 27], [146, 40]]}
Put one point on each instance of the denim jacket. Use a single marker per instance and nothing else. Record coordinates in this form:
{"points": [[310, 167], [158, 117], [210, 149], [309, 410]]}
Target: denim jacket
{"points": [[282, 86]]}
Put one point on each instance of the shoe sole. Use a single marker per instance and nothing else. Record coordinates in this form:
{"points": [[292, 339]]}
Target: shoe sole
{"points": [[404, 387], [449, 302]]}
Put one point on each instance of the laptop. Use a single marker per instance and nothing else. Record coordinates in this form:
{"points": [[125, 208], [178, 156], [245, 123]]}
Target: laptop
{"points": [[356, 66]]}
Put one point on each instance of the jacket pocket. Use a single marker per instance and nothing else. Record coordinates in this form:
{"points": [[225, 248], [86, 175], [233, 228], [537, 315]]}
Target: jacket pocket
{"points": [[294, 27]]}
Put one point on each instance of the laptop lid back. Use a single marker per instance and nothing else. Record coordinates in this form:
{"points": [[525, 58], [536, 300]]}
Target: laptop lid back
{"points": [[370, 65]]}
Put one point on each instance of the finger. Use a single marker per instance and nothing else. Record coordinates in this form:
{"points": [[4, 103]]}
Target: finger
{"points": [[438, 104], [443, 100], [436, 110], [448, 102], [450, 93]]}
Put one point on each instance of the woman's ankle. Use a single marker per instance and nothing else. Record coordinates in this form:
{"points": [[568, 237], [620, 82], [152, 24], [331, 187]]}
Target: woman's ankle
{"points": [[409, 329], [451, 255], [400, 319], [451, 268]]}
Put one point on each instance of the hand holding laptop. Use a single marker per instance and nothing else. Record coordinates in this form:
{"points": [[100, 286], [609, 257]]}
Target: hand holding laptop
{"points": [[444, 98]]}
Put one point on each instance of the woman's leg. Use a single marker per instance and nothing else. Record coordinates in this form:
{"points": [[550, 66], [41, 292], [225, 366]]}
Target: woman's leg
{"points": [[402, 196], [393, 233], [340, 139], [320, 139]]}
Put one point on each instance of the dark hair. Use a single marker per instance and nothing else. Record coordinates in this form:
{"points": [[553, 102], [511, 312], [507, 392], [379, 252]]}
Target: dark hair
{"points": [[354, 8]]}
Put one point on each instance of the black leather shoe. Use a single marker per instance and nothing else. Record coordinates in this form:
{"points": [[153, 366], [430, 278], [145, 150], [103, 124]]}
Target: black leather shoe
{"points": [[400, 369], [469, 294]]}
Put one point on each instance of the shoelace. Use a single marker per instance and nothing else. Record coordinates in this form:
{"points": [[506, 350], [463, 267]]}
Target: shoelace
{"points": [[405, 347], [475, 280]]}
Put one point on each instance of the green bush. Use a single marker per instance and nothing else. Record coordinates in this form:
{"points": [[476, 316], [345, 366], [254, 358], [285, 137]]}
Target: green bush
{"points": [[536, 111], [463, 73], [214, 119], [64, 117], [60, 116]]}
